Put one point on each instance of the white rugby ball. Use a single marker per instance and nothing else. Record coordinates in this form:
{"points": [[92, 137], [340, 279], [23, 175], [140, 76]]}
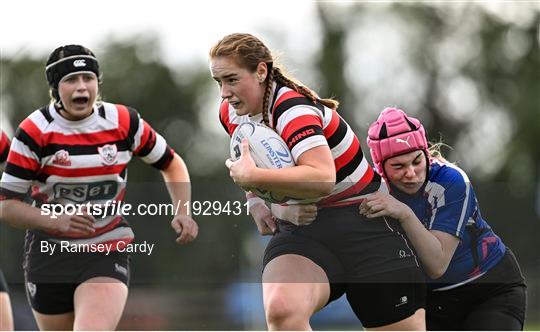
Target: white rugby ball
{"points": [[267, 149]]}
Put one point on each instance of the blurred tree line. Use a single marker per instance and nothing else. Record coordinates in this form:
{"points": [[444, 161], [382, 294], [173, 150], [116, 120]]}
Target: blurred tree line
{"points": [[470, 75]]}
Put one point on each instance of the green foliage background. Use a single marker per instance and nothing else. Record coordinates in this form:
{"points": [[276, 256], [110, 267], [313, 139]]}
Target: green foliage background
{"points": [[187, 287]]}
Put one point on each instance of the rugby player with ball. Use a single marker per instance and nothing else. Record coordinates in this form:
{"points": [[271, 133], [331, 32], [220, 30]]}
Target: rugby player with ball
{"points": [[306, 267]]}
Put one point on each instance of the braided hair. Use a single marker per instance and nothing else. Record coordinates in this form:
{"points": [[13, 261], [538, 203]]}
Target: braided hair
{"points": [[248, 51]]}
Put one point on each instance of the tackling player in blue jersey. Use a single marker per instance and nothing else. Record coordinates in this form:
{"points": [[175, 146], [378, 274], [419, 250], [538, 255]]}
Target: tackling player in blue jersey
{"points": [[477, 283]]}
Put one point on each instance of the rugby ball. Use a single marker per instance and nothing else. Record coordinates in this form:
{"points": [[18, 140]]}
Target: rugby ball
{"points": [[267, 149]]}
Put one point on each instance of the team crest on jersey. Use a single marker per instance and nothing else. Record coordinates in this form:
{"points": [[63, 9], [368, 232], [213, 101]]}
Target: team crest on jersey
{"points": [[61, 158], [108, 153]]}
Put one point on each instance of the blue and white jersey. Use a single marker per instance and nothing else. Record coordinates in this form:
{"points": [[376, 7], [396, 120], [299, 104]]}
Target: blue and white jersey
{"points": [[448, 204]]}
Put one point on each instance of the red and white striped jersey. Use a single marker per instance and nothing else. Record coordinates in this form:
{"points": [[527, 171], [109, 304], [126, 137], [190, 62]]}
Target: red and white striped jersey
{"points": [[4, 146], [74, 162], [304, 125]]}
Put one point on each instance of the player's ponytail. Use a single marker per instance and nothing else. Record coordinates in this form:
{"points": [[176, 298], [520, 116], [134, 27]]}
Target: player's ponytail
{"points": [[297, 86]]}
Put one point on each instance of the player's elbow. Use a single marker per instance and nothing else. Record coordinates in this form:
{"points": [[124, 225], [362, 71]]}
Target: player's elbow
{"points": [[436, 272], [325, 188], [317, 189], [326, 183]]}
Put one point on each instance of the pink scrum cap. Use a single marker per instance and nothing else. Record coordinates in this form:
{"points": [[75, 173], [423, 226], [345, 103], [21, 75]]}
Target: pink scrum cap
{"points": [[395, 133]]}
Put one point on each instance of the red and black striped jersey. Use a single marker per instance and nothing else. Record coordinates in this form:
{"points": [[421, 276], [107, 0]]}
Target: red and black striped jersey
{"points": [[4, 146], [58, 161], [304, 125]]}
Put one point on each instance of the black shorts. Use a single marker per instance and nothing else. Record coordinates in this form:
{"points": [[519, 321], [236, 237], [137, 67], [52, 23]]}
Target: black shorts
{"points": [[495, 301], [3, 283], [356, 254], [51, 280], [379, 300]]}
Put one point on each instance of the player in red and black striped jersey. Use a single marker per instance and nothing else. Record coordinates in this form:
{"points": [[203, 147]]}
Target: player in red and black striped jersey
{"points": [[305, 125], [6, 317], [308, 266], [4, 148], [76, 151]]}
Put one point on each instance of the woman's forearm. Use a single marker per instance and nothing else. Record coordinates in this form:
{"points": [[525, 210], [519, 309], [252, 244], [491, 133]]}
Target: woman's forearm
{"points": [[23, 216], [176, 178], [299, 181], [428, 247]]}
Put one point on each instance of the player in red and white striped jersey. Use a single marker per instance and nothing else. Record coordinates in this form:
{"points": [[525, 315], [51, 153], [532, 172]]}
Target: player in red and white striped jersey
{"points": [[75, 162], [6, 317], [305, 124], [306, 267], [4, 148], [76, 151]]}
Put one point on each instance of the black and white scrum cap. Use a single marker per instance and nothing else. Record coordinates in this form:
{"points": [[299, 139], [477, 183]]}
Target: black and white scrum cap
{"points": [[69, 59]]}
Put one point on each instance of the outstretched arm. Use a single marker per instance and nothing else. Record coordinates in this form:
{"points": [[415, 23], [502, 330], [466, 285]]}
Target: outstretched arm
{"points": [[176, 178]]}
